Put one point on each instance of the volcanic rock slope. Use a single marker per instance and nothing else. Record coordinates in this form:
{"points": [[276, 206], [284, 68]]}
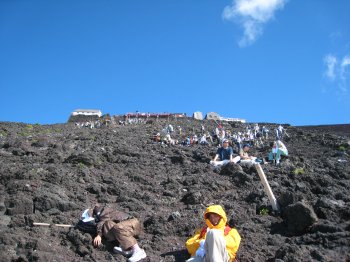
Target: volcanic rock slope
{"points": [[51, 173]]}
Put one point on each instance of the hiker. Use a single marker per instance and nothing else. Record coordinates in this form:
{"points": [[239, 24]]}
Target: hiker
{"points": [[195, 139], [238, 140], [279, 132], [215, 241], [209, 137], [278, 149], [244, 155], [115, 225], [203, 140], [258, 142], [224, 155], [170, 128], [169, 140], [221, 136], [256, 129], [156, 138], [265, 132]]}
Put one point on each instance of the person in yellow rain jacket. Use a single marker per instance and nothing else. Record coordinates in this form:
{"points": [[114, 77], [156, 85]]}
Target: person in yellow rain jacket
{"points": [[216, 241]]}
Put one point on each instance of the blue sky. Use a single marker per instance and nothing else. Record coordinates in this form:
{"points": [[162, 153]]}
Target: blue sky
{"points": [[262, 60]]}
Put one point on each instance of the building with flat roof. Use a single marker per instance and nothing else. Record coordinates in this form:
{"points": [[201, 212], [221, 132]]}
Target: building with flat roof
{"points": [[87, 112], [213, 116], [198, 115], [81, 115]]}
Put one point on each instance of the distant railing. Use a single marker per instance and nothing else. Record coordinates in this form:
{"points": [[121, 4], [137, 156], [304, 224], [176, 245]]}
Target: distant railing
{"points": [[155, 115], [230, 119]]}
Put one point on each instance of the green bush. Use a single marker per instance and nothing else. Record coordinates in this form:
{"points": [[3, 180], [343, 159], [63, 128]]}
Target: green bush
{"points": [[81, 165], [3, 133], [342, 148], [264, 211], [299, 171]]}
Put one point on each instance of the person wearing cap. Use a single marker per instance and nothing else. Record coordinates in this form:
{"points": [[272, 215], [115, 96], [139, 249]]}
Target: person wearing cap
{"points": [[224, 155], [116, 225], [244, 155], [216, 240]]}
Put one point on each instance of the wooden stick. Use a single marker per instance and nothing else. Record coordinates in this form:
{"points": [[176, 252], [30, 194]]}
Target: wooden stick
{"points": [[48, 225], [41, 224], [63, 225], [267, 188]]}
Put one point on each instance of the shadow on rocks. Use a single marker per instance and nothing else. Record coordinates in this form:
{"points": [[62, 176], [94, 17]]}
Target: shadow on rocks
{"points": [[238, 176], [178, 255]]}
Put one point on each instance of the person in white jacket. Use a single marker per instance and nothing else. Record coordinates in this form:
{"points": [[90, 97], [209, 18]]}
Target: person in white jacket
{"points": [[278, 149]]}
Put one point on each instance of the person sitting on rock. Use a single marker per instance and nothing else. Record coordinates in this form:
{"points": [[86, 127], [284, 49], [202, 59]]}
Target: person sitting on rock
{"points": [[115, 225], [195, 139], [244, 155], [203, 140], [156, 138], [278, 149], [209, 137], [168, 140], [224, 155], [216, 240]]}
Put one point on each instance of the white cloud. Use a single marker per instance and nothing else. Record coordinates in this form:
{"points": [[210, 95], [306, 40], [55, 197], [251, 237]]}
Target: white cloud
{"points": [[337, 72], [344, 73], [343, 67], [252, 15], [331, 62], [346, 61]]}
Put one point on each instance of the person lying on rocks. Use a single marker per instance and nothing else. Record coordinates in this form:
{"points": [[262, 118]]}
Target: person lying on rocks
{"points": [[115, 225], [216, 240], [244, 155], [278, 149], [224, 155]]}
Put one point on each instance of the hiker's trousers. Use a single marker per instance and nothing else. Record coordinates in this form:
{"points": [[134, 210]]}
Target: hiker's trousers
{"points": [[215, 248], [124, 232]]}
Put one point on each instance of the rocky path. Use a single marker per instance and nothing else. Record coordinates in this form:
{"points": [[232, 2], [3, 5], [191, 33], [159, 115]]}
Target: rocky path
{"points": [[51, 173]]}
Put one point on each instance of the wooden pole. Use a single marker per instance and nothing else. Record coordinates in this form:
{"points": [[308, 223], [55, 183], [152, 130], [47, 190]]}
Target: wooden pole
{"points": [[62, 225], [267, 188], [48, 225]]}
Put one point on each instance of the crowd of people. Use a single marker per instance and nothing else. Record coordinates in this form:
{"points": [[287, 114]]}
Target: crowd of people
{"points": [[216, 240], [232, 146], [91, 124]]}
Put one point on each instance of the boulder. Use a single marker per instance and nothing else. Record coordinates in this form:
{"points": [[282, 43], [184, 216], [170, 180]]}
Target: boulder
{"points": [[299, 217]]}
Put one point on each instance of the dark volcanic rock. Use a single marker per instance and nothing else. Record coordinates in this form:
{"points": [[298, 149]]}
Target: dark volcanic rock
{"points": [[299, 217], [51, 173]]}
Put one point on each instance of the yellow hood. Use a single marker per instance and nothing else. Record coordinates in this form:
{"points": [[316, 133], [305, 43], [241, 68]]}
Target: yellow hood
{"points": [[217, 209]]}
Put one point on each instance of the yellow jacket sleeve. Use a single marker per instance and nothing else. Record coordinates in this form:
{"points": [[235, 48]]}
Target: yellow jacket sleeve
{"points": [[192, 244], [233, 239]]}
